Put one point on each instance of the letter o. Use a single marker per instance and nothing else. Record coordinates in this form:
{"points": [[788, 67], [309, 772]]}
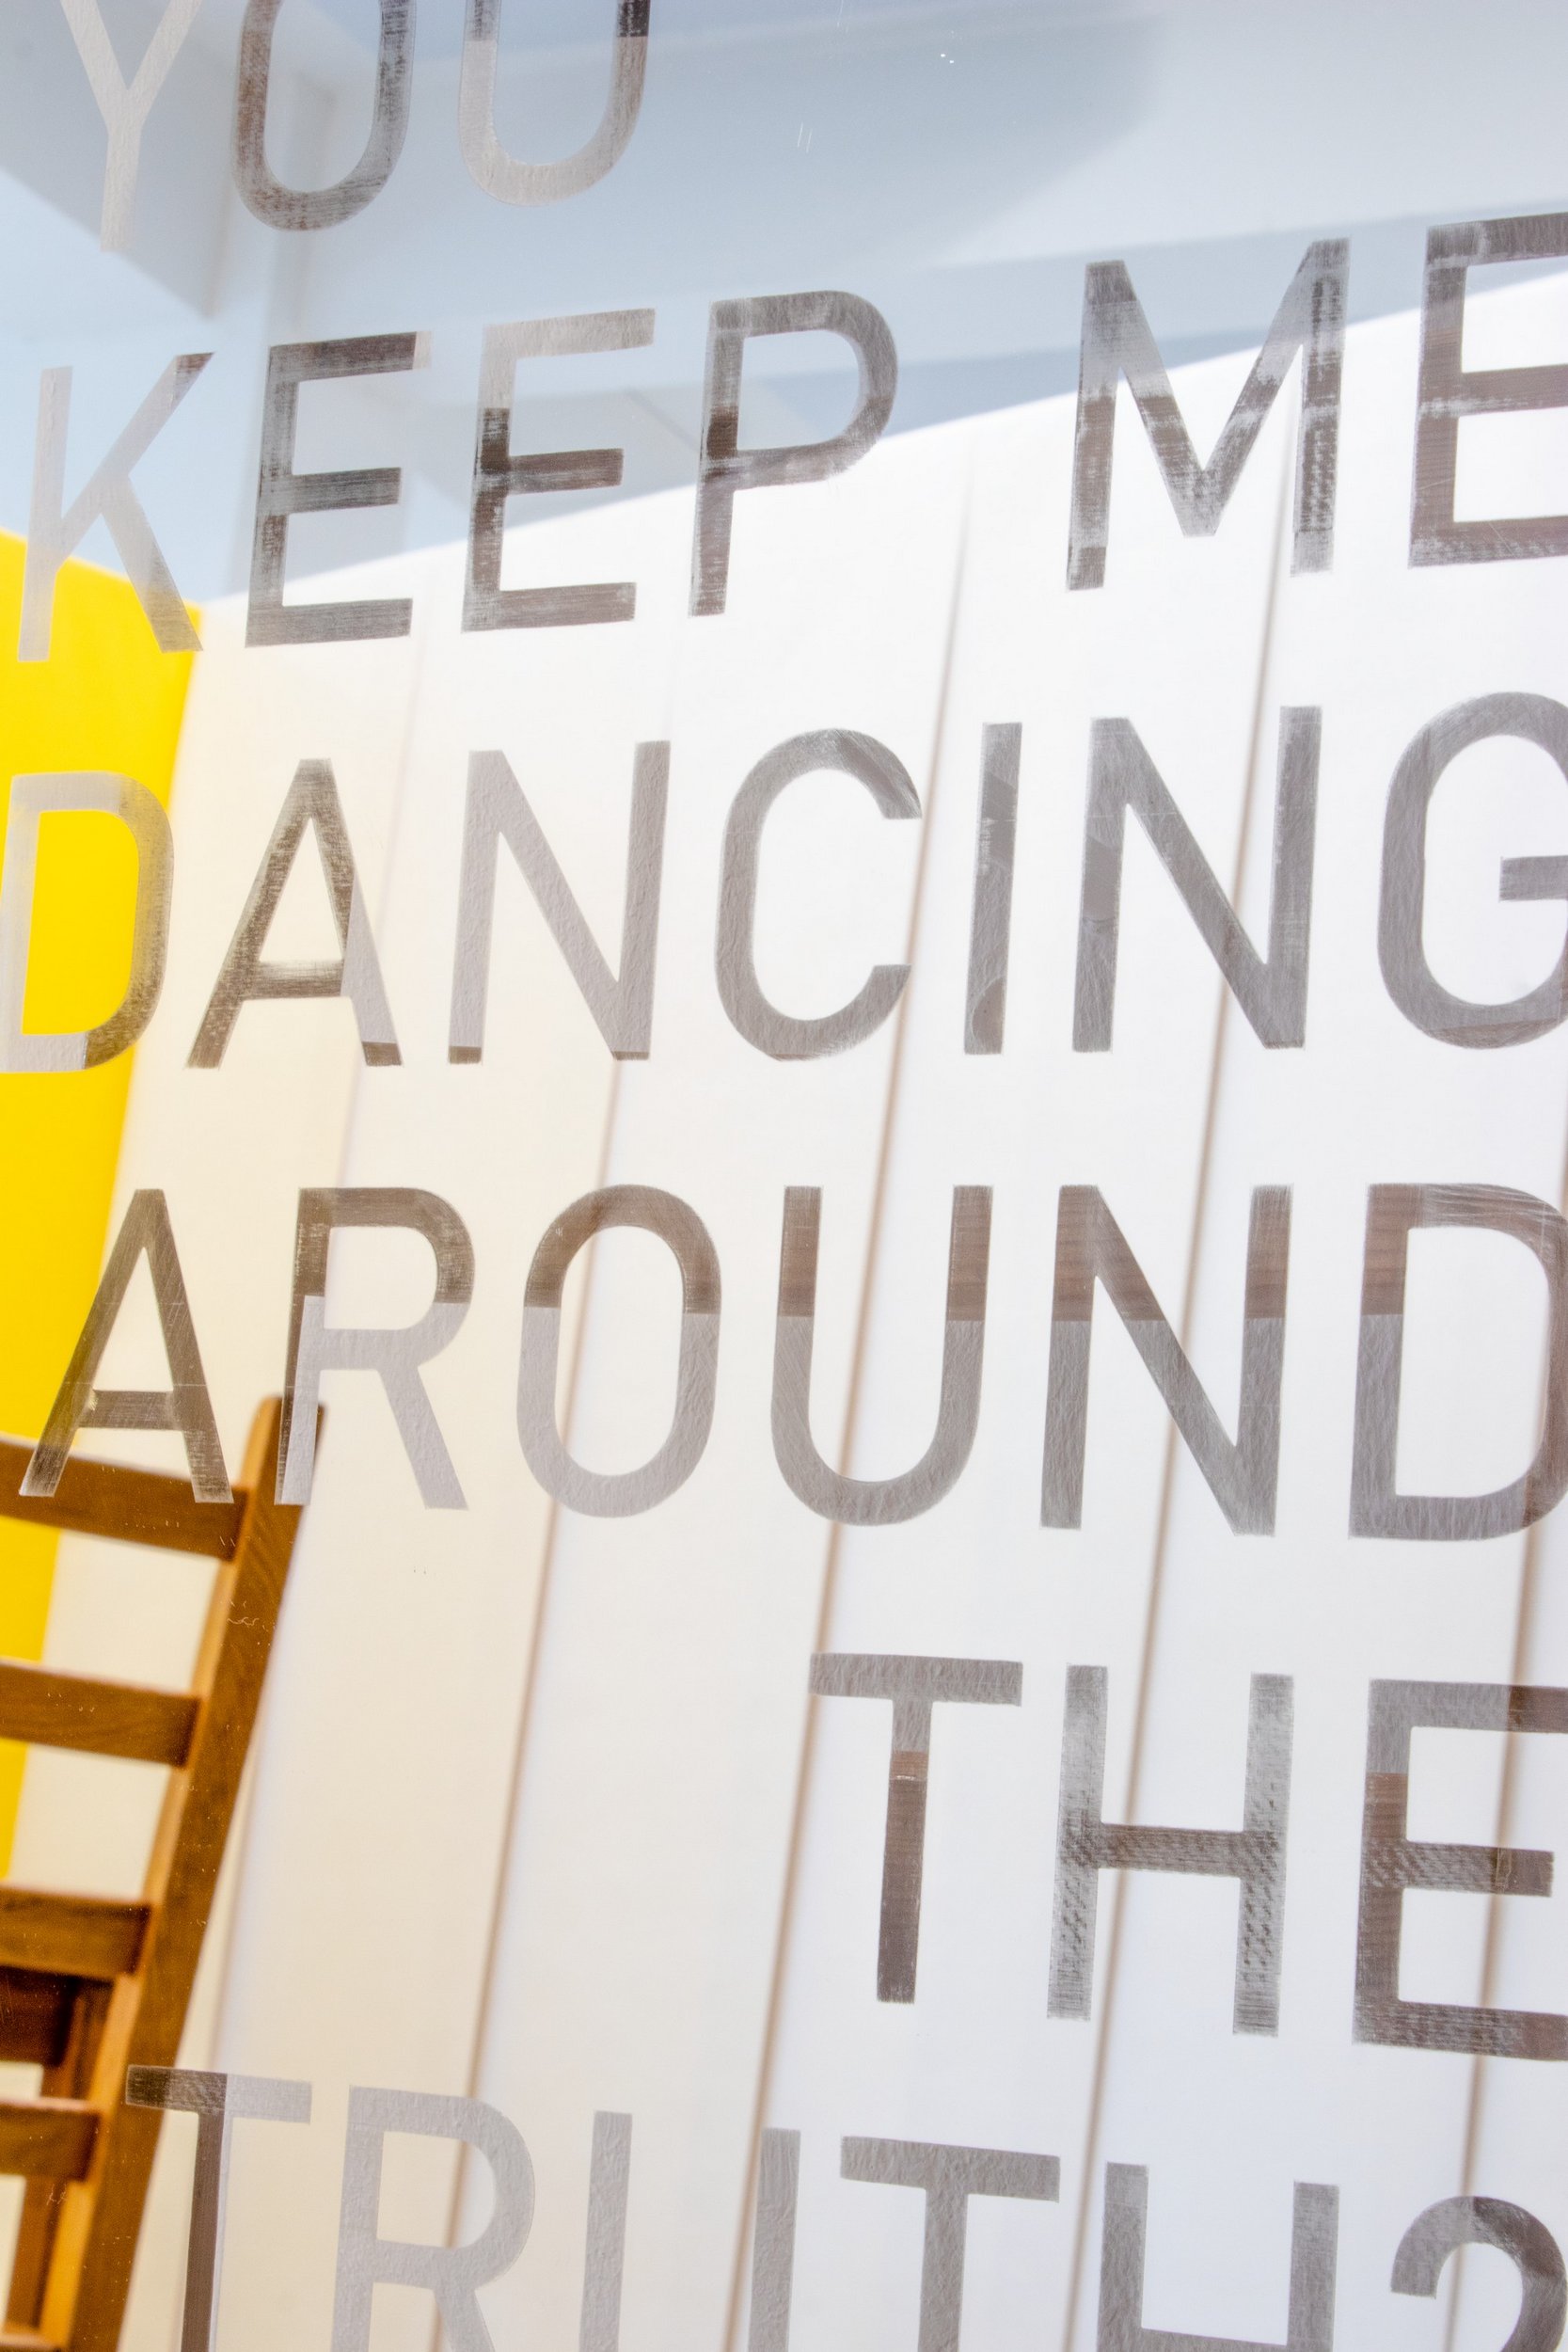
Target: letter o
{"points": [[620, 1494]]}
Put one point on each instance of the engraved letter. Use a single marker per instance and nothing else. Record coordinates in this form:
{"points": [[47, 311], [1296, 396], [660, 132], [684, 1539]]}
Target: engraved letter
{"points": [[1270, 993], [1314, 2259], [950, 2177], [1457, 2221], [991, 924], [1391, 1861], [1091, 1248], [1400, 950], [1394, 1211], [54, 528], [1116, 342], [1253, 1854], [621, 1004], [915, 1685], [184, 1405], [1447, 395], [125, 105], [773, 2241], [499, 475], [245, 978], [218, 2101], [451, 2273], [319, 208], [499, 174], [605, 2254], [280, 492], [726, 468], [761, 1024], [33, 797], [316, 1346], [620, 1494], [880, 1501]]}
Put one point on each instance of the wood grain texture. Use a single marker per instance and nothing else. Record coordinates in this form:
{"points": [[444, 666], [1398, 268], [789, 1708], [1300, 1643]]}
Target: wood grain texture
{"points": [[123, 1719], [35, 2016], [126, 1505], [48, 2140], [70, 1936], [90, 1987], [95, 2238], [66, 2077]]}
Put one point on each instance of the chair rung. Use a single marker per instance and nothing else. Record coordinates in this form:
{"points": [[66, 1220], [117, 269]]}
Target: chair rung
{"points": [[14, 2339], [47, 2140], [125, 1719], [134, 1506], [70, 1936], [36, 2011]]}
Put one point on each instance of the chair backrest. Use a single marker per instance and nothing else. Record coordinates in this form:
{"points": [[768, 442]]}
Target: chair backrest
{"points": [[90, 1986]]}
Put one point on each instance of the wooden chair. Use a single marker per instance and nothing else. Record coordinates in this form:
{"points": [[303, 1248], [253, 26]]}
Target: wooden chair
{"points": [[88, 1986]]}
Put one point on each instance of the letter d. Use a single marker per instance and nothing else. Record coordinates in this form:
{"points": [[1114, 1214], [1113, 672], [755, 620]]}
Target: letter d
{"points": [[33, 797]]}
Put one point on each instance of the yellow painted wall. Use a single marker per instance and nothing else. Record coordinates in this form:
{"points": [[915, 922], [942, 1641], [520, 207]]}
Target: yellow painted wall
{"points": [[105, 698]]}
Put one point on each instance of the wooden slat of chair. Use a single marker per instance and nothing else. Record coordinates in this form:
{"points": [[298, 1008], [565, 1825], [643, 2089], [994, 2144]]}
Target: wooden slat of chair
{"points": [[65, 2078], [49, 2139], [70, 1935], [36, 2012], [124, 1719], [130, 1505], [81, 2218]]}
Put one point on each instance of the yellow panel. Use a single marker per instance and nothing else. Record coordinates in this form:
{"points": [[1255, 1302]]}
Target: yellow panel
{"points": [[105, 698]]}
